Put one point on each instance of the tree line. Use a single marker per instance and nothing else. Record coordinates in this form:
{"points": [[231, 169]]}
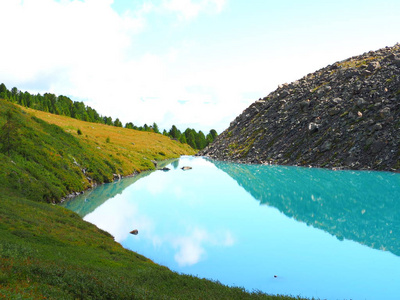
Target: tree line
{"points": [[62, 105]]}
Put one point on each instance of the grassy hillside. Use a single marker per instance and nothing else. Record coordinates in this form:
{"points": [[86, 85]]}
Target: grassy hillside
{"points": [[49, 252], [131, 150], [46, 162]]}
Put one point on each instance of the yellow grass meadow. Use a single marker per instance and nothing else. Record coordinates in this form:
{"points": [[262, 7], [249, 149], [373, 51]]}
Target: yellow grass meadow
{"points": [[131, 150]]}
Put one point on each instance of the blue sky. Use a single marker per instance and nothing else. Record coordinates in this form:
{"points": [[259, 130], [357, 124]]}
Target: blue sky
{"points": [[192, 63]]}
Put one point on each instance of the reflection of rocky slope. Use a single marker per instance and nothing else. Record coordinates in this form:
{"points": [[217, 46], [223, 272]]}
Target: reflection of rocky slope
{"points": [[345, 115], [365, 210]]}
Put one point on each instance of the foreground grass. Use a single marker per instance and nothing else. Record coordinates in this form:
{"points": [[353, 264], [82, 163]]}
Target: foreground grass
{"points": [[50, 252]]}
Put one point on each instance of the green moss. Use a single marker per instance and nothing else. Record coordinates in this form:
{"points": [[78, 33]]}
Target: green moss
{"points": [[248, 144], [233, 146], [389, 80], [352, 63], [318, 87], [271, 143]]}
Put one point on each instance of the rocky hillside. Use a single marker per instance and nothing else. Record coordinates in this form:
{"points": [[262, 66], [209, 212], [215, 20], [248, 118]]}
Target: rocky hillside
{"points": [[346, 115]]}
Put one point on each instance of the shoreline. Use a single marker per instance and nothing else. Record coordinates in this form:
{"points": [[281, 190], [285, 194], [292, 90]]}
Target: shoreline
{"points": [[271, 163], [117, 177]]}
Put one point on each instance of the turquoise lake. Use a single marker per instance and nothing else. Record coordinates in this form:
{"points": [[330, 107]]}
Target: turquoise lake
{"points": [[282, 230]]}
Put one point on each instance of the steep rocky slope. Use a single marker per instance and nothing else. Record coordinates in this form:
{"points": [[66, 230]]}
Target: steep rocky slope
{"points": [[346, 115]]}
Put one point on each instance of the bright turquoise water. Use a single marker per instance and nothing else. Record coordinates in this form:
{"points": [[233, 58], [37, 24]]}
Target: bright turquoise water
{"points": [[322, 233]]}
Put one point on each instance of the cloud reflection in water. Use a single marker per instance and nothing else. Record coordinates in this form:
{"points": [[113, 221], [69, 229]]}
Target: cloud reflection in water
{"points": [[169, 226]]}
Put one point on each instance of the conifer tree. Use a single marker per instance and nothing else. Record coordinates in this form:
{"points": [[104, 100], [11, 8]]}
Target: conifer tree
{"points": [[174, 132], [155, 128], [117, 123], [200, 140], [3, 91], [182, 139]]}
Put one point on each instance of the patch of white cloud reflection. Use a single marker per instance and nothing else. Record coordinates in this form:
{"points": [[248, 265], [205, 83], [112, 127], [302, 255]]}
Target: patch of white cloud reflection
{"points": [[191, 248], [118, 216]]}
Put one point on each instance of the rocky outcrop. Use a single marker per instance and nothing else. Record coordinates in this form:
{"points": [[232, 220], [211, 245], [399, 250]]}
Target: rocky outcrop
{"points": [[346, 115]]}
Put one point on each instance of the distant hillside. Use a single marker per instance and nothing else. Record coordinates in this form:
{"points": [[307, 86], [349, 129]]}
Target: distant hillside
{"points": [[45, 157], [346, 115]]}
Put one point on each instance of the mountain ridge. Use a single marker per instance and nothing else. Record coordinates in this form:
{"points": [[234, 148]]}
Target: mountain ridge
{"points": [[343, 116]]}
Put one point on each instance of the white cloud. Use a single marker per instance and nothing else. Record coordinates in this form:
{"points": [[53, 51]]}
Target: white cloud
{"points": [[121, 65], [82, 49], [119, 216], [192, 248], [80, 39], [189, 9]]}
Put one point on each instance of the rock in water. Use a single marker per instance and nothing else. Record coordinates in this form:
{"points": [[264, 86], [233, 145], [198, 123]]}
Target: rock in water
{"points": [[346, 115]]}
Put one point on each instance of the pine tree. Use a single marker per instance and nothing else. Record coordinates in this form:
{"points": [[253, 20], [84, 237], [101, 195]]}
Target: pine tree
{"points": [[191, 139], [3, 91], [155, 128], [117, 123], [182, 139], [211, 136], [174, 132], [200, 140]]}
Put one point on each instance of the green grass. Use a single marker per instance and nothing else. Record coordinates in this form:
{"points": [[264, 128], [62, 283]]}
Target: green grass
{"points": [[354, 63], [49, 252]]}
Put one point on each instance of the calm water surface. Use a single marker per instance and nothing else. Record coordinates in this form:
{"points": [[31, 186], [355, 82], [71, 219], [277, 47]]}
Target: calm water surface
{"points": [[282, 230]]}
